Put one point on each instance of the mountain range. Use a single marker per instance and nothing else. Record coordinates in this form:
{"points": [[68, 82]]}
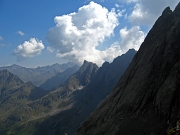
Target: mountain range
{"points": [[65, 107], [38, 76]]}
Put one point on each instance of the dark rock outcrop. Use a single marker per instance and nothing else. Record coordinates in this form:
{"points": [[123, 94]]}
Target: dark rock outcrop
{"points": [[146, 100]]}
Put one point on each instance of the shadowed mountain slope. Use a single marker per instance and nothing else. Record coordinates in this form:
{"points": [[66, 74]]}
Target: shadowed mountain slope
{"points": [[146, 100]]}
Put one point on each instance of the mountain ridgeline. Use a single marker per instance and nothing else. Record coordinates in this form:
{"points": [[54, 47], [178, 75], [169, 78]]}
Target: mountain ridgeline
{"points": [[146, 99], [38, 75], [65, 107]]}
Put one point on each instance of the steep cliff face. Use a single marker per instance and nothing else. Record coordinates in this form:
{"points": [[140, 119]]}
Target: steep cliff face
{"points": [[146, 99]]}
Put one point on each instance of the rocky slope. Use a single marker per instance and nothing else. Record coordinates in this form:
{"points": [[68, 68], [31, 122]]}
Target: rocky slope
{"points": [[146, 99], [37, 75]]}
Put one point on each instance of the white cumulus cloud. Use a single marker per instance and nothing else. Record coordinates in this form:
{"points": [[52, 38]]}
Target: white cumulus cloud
{"points": [[28, 49], [131, 38], [147, 11], [20, 33], [77, 35]]}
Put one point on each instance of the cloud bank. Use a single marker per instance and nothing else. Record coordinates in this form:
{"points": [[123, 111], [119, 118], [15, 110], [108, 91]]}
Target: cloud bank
{"points": [[77, 35], [28, 49]]}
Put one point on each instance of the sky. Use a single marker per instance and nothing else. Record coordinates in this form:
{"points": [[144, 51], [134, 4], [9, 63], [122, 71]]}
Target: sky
{"points": [[43, 32]]}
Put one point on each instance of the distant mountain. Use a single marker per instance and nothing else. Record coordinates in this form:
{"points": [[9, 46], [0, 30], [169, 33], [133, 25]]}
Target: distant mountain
{"points": [[146, 100], [37, 75], [55, 102], [15, 93], [83, 76], [59, 78]]}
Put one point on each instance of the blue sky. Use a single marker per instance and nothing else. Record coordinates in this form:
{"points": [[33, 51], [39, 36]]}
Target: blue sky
{"points": [[36, 33]]}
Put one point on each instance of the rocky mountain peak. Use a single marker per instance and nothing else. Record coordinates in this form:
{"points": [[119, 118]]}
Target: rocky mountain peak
{"points": [[87, 72], [88, 66], [131, 51], [127, 56], [167, 11], [105, 64], [7, 77], [15, 65], [82, 77], [87, 63]]}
